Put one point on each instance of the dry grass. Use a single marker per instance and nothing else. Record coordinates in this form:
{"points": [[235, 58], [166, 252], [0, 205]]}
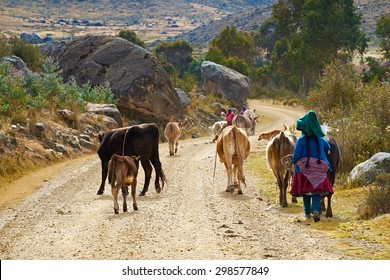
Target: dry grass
{"points": [[362, 239]]}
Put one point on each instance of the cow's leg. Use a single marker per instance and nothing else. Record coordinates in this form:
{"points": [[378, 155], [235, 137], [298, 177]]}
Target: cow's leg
{"points": [[171, 147], [125, 192], [133, 187], [236, 180], [115, 191], [176, 144], [104, 176], [282, 192], [329, 212], [279, 182], [322, 205], [285, 185], [229, 171], [293, 198], [148, 174], [235, 175]]}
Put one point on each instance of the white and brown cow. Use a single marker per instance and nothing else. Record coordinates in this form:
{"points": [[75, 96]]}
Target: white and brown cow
{"points": [[233, 148], [217, 129], [122, 172], [172, 133], [279, 147]]}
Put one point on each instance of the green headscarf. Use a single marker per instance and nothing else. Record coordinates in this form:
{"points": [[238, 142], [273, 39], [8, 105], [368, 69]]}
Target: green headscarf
{"points": [[310, 125]]}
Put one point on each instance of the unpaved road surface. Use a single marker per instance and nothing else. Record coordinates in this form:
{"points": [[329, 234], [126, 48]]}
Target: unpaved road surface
{"points": [[192, 218]]}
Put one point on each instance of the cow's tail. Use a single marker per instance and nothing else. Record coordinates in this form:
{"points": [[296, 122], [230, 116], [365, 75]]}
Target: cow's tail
{"points": [[240, 155], [157, 165]]}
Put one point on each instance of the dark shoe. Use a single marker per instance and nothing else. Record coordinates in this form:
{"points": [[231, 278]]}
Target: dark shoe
{"points": [[316, 216], [307, 217]]}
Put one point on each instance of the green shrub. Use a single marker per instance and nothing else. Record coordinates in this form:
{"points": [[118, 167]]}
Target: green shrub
{"points": [[358, 113], [46, 90], [187, 83], [29, 53]]}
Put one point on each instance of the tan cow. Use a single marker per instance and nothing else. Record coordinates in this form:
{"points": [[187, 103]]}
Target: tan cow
{"points": [[278, 148], [122, 172], [233, 148], [172, 134]]}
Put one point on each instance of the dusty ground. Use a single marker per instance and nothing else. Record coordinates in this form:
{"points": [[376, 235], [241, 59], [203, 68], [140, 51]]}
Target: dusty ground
{"points": [[193, 217]]}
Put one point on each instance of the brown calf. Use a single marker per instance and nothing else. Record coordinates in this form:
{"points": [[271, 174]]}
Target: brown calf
{"points": [[269, 135], [122, 172]]}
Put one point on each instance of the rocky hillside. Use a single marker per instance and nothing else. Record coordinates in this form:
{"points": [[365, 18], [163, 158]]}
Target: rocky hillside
{"points": [[250, 19]]}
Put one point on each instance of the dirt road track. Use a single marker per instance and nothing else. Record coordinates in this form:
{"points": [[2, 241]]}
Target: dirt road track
{"points": [[193, 217]]}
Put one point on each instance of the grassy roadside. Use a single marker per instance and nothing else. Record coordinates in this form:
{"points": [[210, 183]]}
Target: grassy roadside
{"points": [[362, 239]]}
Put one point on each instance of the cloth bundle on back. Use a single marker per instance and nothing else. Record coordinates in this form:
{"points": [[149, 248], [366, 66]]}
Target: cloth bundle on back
{"points": [[310, 180]]}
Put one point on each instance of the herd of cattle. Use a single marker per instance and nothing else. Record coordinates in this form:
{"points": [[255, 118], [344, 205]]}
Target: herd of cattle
{"points": [[121, 150]]}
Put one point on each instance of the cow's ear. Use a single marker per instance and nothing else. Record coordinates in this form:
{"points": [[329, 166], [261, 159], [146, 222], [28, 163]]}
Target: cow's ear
{"points": [[136, 158], [254, 110], [256, 117]]}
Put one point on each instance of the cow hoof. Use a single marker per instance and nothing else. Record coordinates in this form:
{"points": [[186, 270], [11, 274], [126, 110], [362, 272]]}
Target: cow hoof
{"points": [[124, 210], [230, 189], [135, 208], [116, 211], [329, 215], [158, 189], [142, 194], [100, 192], [240, 192]]}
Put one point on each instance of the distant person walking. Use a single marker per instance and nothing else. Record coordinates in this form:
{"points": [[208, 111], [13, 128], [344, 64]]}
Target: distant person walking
{"points": [[243, 110], [229, 116]]}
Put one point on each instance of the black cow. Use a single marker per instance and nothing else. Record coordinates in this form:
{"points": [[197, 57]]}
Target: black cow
{"points": [[141, 140], [334, 160]]}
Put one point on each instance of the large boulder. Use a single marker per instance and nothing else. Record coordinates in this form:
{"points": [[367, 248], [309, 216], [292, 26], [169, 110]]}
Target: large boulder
{"points": [[53, 48], [17, 63], [366, 172], [135, 76], [223, 81], [109, 110]]}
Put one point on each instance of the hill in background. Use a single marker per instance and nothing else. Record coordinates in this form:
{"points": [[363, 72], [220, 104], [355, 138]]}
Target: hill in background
{"points": [[152, 20], [197, 21]]}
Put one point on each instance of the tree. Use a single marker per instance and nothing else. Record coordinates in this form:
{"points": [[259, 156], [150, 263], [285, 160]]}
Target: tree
{"points": [[232, 49], [383, 32], [317, 32], [178, 54], [131, 36], [267, 36]]}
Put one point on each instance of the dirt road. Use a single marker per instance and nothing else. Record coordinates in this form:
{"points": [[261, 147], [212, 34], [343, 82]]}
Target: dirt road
{"points": [[193, 217]]}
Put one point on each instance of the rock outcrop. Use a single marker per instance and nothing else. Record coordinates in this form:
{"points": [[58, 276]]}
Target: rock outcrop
{"points": [[366, 172], [223, 81], [134, 75]]}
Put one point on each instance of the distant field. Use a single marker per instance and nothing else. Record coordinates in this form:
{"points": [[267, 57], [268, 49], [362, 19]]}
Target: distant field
{"points": [[149, 22]]}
